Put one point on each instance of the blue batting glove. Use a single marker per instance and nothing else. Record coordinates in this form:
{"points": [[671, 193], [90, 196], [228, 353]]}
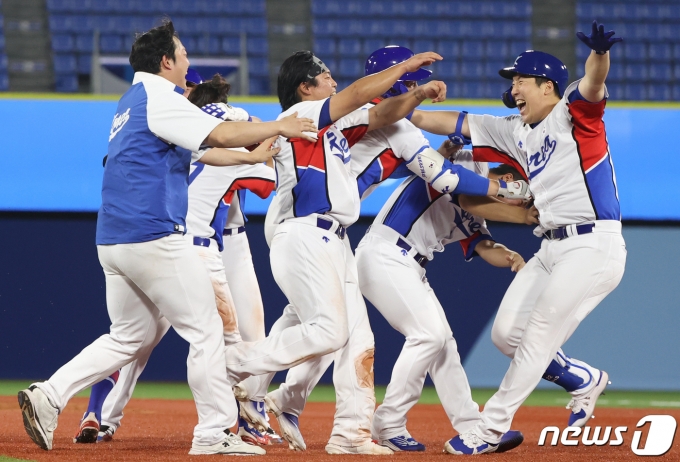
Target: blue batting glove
{"points": [[599, 40]]}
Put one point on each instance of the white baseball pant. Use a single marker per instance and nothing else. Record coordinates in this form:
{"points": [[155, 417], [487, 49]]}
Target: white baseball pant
{"points": [[544, 304], [396, 285], [144, 282]]}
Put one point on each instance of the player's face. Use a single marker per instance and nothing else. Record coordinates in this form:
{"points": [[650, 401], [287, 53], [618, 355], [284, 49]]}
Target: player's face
{"points": [[325, 87], [181, 63], [530, 98]]}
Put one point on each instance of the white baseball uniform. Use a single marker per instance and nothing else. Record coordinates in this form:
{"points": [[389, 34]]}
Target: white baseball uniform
{"points": [[214, 217], [567, 160], [152, 272]]}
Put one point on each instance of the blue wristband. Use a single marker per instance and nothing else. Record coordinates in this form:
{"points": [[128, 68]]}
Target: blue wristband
{"points": [[469, 182]]}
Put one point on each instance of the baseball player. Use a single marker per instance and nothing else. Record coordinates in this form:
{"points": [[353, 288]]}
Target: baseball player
{"points": [[151, 270], [558, 140], [374, 158]]}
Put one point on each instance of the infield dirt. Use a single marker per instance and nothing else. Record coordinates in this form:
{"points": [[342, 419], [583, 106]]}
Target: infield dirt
{"points": [[160, 430]]}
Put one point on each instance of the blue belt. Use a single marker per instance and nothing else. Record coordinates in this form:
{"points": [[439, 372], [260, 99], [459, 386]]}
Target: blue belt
{"points": [[561, 233], [232, 231], [203, 242], [327, 225], [420, 259]]}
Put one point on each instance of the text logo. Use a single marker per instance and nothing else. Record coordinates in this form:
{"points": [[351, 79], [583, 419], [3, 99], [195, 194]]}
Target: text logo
{"points": [[659, 437], [338, 147], [119, 120], [539, 160]]}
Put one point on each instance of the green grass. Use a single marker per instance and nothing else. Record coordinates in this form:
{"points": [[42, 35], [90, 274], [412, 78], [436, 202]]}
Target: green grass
{"points": [[12, 459], [325, 393]]}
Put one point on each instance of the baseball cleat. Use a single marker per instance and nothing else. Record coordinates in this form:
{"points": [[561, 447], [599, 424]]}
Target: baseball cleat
{"points": [[231, 445], [105, 434], [288, 426], [40, 417], [240, 392], [252, 436], [468, 444], [510, 440], [253, 412], [582, 407], [273, 436], [370, 448], [403, 443], [89, 429]]}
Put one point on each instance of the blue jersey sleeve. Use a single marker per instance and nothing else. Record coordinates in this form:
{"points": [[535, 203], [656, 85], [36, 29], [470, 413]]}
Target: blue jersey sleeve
{"points": [[325, 115]]}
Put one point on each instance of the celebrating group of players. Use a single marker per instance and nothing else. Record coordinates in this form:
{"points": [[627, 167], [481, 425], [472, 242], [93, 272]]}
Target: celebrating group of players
{"points": [[171, 239]]}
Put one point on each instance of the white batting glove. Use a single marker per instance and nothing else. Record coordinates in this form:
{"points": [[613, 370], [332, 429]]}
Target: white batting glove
{"points": [[514, 190], [226, 112]]}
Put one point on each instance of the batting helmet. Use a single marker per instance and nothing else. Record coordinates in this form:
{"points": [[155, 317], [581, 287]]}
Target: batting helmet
{"points": [[194, 77], [389, 56], [536, 64]]}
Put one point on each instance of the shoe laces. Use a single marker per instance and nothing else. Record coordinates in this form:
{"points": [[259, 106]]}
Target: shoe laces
{"points": [[577, 404], [471, 440], [233, 439]]}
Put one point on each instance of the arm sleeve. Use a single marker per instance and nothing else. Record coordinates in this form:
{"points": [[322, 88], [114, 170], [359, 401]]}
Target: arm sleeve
{"points": [[175, 120], [353, 126], [405, 139], [493, 140], [258, 179], [469, 244]]}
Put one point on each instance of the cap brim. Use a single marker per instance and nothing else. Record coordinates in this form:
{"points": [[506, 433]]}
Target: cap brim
{"points": [[420, 74], [508, 72]]}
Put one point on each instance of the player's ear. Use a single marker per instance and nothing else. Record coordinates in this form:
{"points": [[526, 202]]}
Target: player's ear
{"points": [[508, 178]]}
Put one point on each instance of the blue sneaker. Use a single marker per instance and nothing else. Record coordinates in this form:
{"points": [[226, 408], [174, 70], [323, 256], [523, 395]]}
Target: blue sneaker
{"points": [[403, 443], [253, 413], [510, 440], [583, 406], [468, 444], [288, 426]]}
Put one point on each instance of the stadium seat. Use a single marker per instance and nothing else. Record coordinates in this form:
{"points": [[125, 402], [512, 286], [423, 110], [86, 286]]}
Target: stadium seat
{"points": [[491, 68], [324, 46], [2, 41], [494, 89], [4, 81], [517, 47], [635, 92], [231, 45], [111, 44], [420, 46], [472, 50], [84, 43], [676, 71], [63, 42], [60, 23], [659, 52], [257, 46], [190, 43], [676, 92], [636, 72], [635, 51], [64, 63], [617, 72], [258, 67], [472, 70], [474, 89], [449, 49], [259, 86], [495, 49], [369, 45], [616, 91], [59, 6], [349, 47], [659, 92], [454, 89], [81, 6], [327, 7], [350, 68], [66, 83], [445, 70], [209, 45], [84, 64], [3, 61], [660, 72]]}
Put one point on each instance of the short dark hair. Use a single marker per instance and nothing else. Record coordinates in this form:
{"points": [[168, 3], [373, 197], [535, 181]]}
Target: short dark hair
{"points": [[504, 169], [215, 90], [294, 71], [150, 47]]}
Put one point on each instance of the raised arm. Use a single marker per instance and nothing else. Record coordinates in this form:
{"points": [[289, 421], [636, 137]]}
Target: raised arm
{"points": [[390, 110], [439, 122], [591, 86], [365, 89], [238, 134]]}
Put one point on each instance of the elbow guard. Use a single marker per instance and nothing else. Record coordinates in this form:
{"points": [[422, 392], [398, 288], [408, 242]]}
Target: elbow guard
{"points": [[446, 177], [427, 164]]}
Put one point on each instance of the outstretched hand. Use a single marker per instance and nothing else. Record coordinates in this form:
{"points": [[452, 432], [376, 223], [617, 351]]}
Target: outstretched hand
{"points": [[264, 151], [515, 261], [415, 62], [434, 90], [294, 127], [599, 40]]}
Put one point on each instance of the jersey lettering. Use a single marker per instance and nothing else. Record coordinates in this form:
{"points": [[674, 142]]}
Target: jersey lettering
{"points": [[539, 160], [338, 149], [119, 120]]}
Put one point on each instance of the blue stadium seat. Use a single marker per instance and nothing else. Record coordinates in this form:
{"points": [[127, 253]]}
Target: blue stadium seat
{"points": [[369, 45], [2, 42], [660, 72], [474, 89], [64, 63], [636, 72], [190, 42], [210, 45], [60, 23], [331, 63], [517, 47], [472, 50], [424, 28], [258, 67], [111, 43], [635, 92], [327, 7], [514, 30], [420, 46], [659, 92], [582, 51], [445, 70], [59, 6], [660, 52], [635, 51], [494, 89], [66, 83], [617, 72], [454, 89], [616, 91], [487, 29], [449, 49], [62, 42], [104, 6], [84, 43], [491, 68], [497, 50], [676, 92], [3, 61], [616, 52], [472, 70], [662, 32], [82, 23], [231, 45], [257, 26], [84, 63], [128, 40], [400, 28], [81, 6], [350, 68], [323, 27], [257, 46], [259, 86], [621, 12], [4, 81], [349, 47], [324, 46]]}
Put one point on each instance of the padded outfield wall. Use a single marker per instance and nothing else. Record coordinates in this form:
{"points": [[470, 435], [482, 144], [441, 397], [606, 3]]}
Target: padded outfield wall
{"points": [[52, 299]]}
